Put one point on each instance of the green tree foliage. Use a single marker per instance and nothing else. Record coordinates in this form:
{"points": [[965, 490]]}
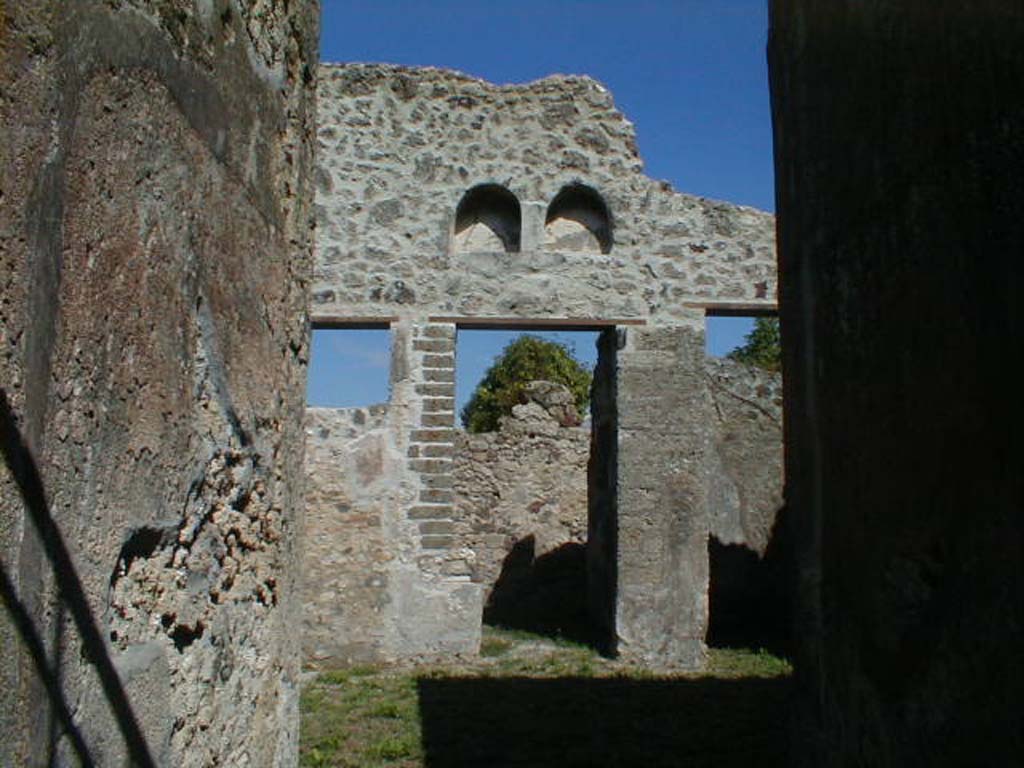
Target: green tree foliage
{"points": [[762, 346], [524, 359]]}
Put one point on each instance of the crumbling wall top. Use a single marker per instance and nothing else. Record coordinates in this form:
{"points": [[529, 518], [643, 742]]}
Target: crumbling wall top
{"points": [[564, 225]]}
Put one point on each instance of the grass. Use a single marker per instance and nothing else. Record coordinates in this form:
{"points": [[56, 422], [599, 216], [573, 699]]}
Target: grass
{"points": [[741, 662], [532, 701], [361, 717]]}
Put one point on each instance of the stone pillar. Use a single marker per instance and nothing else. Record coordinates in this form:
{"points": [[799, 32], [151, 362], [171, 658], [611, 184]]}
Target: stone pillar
{"points": [[532, 235], [662, 531]]}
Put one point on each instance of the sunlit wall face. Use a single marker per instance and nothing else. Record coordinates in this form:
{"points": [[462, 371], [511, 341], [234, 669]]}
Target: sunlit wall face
{"points": [[690, 74]]}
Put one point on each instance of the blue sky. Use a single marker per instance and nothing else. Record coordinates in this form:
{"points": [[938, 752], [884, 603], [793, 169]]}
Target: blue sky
{"points": [[690, 74]]}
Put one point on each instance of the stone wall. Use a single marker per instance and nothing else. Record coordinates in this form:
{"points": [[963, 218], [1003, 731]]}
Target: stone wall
{"points": [[900, 169], [745, 460], [385, 577], [348, 547], [526, 479], [750, 551], [445, 202], [155, 222], [514, 520], [400, 147], [521, 507]]}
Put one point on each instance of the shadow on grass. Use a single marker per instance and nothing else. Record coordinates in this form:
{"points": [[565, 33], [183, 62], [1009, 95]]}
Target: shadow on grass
{"points": [[608, 722]]}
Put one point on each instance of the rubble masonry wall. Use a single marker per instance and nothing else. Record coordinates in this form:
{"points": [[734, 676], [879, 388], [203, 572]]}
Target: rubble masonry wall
{"points": [[155, 247]]}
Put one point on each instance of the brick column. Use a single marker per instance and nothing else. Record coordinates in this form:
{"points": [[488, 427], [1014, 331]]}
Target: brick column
{"points": [[432, 439], [437, 608]]}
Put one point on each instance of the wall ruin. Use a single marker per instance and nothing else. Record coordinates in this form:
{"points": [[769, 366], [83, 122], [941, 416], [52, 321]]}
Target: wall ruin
{"points": [[349, 461], [527, 478], [155, 242], [750, 550], [745, 464], [134, 130], [447, 202], [521, 514]]}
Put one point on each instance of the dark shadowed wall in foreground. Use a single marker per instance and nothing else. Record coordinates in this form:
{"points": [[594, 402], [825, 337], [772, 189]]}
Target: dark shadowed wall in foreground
{"points": [[899, 134], [154, 261]]}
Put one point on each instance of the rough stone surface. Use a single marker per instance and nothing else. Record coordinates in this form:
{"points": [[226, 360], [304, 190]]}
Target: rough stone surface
{"points": [[155, 211], [528, 479], [398, 149], [519, 512], [662, 520], [750, 550], [443, 200], [347, 552], [745, 457], [900, 170], [384, 577]]}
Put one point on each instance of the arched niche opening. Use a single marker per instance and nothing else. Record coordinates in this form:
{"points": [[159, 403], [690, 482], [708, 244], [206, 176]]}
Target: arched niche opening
{"points": [[488, 219], [578, 220]]}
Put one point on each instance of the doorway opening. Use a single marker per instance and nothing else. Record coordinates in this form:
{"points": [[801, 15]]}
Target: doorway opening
{"points": [[522, 479], [748, 556]]}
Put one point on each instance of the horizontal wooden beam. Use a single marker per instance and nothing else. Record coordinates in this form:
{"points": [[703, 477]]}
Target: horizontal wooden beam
{"points": [[536, 323], [734, 308], [322, 322]]}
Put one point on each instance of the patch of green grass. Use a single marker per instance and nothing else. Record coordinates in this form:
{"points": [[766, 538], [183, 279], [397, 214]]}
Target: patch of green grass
{"points": [[537, 698], [563, 663], [393, 747], [494, 646], [343, 676], [361, 717], [741, 662]]}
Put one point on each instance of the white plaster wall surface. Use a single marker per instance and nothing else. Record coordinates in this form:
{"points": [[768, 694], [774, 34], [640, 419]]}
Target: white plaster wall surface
{"points": [[398, 148]]}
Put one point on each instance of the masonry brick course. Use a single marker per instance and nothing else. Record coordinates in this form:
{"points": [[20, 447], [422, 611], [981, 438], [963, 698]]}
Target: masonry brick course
{"points": [[437, 419], [433, 435], [439, 374], [430, 512], [433, 345]]}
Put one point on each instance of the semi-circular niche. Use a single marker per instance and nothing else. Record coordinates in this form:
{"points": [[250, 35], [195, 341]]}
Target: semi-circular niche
{"points": [[578, 220], [488, 219]]}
